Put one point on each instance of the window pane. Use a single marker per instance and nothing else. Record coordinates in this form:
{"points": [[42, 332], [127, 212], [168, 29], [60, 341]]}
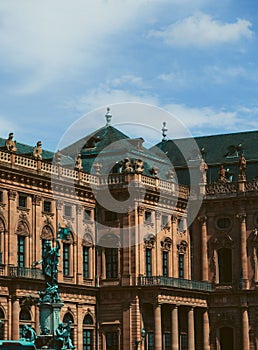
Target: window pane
{"points": [[86, 262], [148, 261], [181, 265], [47, 206], [111, 341], [111, 262], [21, 251], [87, 339], [165, 263], [66, 259]]}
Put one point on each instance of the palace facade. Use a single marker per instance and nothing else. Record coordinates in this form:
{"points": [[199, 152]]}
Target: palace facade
{"points": [[153, 260]]}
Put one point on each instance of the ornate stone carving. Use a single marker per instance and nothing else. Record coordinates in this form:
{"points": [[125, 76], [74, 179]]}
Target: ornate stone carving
{"points": [[87, 240], [182, 247], [22, 228], [202, 219], [47, 233], [149, 241], [140, 210], [12, 194], [241, 216], [138, 166], [166, 244], [36, 199], [174, 219]]}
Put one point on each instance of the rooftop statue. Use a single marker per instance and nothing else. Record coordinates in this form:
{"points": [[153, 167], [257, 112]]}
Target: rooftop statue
{"points": [[78, 162], [242, 167], [37, 151], [203, 171], [10, 144]]}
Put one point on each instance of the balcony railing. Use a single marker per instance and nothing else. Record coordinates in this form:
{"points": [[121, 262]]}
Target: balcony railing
{"points": [[175, 283], [25, 272]]}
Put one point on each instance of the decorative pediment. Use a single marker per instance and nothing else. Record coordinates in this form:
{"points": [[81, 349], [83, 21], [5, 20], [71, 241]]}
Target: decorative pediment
{"points": [[87, 240], [149, 241], [166, 244], [22, 228], [182, 247]]}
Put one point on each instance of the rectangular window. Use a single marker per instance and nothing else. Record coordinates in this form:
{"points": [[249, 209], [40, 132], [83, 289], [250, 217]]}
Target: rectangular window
{"points": [[87, 339], [47, 207], [150, 341], [183, 341], [165, 263], [148, 262], [167, 341], [111, 341], [66, 256], [21, 251], [22, 201], [111, 255], [86, 273], [181, 265], [147, 216], [68, 210], [1, 196], [164, 220]]}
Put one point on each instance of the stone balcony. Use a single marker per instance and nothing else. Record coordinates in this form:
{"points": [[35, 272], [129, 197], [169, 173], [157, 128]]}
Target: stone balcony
{"points": [[174, 283]]}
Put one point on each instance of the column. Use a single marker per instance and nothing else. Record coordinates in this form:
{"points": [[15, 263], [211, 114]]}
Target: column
{"points": [[204, 255], [158, 328], [15, 319], [242, 219], [245, 329], [174, 249], [191, 345], [206, 331], [174, 328]]}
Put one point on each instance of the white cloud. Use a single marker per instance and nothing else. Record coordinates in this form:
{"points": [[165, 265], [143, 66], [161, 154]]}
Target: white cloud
{"points": [[201, 30], [225, 74], [46, 40]]}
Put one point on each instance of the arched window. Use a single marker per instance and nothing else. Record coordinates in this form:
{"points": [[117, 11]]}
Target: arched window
{"points": [[88, 332], [2, 325], [22, 232], [225, 265], [68, 318]]}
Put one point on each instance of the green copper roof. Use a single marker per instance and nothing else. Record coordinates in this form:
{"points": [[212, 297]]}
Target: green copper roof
{"points": [[216, 149]]}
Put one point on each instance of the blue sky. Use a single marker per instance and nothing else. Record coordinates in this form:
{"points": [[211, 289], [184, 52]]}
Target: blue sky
{"points": [[60, 60]]}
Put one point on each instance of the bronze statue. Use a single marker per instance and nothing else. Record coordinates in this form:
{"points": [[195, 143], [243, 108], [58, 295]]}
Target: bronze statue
{"points": [[242, 166], [28, 333], [63, 338], [49, 262]]}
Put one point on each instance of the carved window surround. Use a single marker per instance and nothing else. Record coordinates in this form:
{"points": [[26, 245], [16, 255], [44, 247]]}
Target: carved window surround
{"points": [[182, 247]]}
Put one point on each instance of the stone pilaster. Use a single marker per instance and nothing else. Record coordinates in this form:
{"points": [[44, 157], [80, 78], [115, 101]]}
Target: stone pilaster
{"points": [[191, 345], [206, 331], [204, 255], [15, 318], [174, 328], [244, 268], [245, 329], [158, 328]]}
